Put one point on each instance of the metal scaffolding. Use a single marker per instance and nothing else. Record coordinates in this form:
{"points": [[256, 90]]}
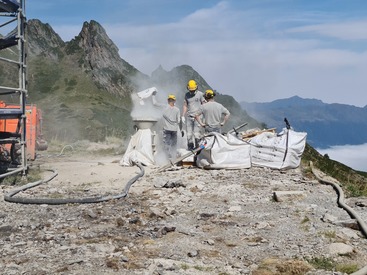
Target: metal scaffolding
{"points": [[12, 12]]}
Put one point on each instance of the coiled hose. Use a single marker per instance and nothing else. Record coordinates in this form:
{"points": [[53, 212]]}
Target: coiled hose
{"points": [[9, 196], [347, 208]]}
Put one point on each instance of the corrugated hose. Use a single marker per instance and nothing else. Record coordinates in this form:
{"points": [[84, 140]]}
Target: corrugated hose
{"points": [[9, 196], [347, 208]]}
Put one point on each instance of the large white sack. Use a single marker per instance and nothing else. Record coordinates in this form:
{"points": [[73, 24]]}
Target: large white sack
{"points": [[279, 151], [222, 152], [140, 149]]}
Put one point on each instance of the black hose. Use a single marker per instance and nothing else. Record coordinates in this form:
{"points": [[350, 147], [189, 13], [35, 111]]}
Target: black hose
{"points": [[353, 214], [9, 197], [340, 201]]}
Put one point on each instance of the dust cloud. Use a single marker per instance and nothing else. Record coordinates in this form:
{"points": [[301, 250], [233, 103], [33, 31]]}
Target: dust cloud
{"points": [[151, 109]]}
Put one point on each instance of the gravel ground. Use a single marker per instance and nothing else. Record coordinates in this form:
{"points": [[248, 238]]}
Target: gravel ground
{"points": [[182, 221]]}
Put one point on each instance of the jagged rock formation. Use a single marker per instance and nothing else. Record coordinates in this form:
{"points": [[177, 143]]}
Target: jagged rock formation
{"points": [[175, 82], [94, 51], [180, 75], [100, 58], [43, 40], [83, 86]]}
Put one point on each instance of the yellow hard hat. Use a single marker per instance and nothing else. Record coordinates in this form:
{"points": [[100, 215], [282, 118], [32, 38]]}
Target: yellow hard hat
{"points": [[171, 97], [192, 86], [209, 94]]}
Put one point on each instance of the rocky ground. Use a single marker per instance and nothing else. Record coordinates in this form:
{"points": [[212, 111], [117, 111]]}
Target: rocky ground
{"points": [[182, 221]]}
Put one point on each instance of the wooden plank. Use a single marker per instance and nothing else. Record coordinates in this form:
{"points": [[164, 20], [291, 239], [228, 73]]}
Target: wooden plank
{"points": [[255, 133]]}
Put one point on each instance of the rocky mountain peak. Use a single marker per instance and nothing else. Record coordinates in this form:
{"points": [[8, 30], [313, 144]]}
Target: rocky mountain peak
{"points": [[159, 71], [181, 74], [43, 40], [94, 38], [191, 74], [101, 59]]}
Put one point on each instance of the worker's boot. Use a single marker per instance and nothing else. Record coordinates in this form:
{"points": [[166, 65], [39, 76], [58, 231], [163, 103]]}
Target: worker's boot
{"points": [[190, 146]]}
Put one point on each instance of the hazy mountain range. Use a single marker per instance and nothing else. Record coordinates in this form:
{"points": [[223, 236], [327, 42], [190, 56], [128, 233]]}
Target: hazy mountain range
{"points": [[326, 124]]}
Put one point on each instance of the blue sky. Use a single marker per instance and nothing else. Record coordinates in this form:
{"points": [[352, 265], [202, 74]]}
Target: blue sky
{"points": [[254, 50]]}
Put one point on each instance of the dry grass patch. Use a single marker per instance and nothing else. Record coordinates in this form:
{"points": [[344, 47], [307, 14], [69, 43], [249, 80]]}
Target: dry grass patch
{"points": [[274, 266], [210, 253]]}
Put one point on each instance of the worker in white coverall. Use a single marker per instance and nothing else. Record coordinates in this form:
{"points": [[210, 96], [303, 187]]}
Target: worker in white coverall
{"points": [[193, 100], [171, 120], [214, 114]]}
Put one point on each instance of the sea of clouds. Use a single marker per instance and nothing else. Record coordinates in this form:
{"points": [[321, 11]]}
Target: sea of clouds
{"points": [[354, 156]]}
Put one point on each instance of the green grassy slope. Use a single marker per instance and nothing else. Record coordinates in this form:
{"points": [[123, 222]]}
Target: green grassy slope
{"points": [[353, 182], [73, 107]]}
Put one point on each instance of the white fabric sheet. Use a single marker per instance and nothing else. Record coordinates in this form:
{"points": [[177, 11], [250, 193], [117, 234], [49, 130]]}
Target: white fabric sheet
{"points": [[140, 149]]}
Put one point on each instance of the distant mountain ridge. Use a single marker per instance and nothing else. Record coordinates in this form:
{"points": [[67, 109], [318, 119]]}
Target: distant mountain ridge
{"points": [[326, 124], [295, 101]]}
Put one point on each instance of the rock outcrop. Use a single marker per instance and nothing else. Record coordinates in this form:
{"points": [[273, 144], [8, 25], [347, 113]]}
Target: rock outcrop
{"points": [[43, 40], [100, 58]]}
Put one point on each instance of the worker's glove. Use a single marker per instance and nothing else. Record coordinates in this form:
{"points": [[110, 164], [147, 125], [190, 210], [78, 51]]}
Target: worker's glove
{"points": [[183, 119], [222, 123]]}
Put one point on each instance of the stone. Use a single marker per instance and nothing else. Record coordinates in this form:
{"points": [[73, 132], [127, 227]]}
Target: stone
{"points": [[340, 249], [282, 196]]}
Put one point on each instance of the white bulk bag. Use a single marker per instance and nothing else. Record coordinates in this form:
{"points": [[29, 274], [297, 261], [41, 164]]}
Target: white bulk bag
{"points": [[279, 151], [224, 152]]}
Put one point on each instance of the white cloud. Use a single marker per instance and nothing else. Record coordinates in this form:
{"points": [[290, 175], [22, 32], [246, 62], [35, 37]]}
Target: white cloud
{"points": [[353, 156], [223, 45], [325, 58], [352, 30]]}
